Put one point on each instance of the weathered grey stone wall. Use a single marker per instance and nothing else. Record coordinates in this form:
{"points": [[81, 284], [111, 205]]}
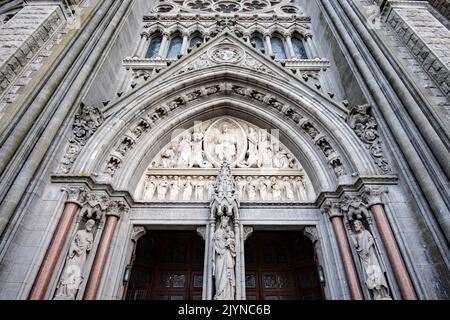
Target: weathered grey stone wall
{"points": [[443, 6], [427, 39], [22, 37]]}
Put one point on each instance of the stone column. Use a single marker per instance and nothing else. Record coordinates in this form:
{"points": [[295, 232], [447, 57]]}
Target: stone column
{"points": [[336, 217], [60, 235], [268, 44], [138, 232], [185, 44], [163, 48], [373, 198], [290, 47], [310, 48], [210, 251], [143, 44], [312, 234], [113, 214]]}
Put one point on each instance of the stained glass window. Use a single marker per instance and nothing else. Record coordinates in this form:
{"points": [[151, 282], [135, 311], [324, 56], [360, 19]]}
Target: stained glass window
{"points": [[174, 48], [154, 47], [299, 48], [278, 48]]}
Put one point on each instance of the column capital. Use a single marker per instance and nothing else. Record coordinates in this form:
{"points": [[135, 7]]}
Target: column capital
{"points": [[145, 35], [75, 194], [332, 209], [373, 195], [311, 233], [137, 233], [117, 208]]}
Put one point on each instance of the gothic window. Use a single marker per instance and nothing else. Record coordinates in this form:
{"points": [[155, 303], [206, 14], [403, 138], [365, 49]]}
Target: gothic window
{"points": [[195, 40], [154, 47], [278, 48], [175, 47], [299, 48], [258, 41]]}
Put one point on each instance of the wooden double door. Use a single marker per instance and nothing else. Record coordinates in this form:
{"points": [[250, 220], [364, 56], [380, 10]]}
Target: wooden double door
{"points": [[169, 266], [281, 266]]}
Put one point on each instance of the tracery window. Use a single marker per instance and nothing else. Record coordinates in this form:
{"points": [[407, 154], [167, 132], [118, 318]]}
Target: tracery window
{"points": [[195, 40], [278, 48], [154, 47], [258, 41], [299, 48], [175, 47]]}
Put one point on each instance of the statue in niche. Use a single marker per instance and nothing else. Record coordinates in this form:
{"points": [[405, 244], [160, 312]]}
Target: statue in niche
{"points": [[72, 275], [199, 188], [241, 186], [264, 187], [265, 151], [226, 145], [175, 186], [188, 189], [162, 189], [276, 190], [168, 157], [224, 260], [281, 160], [185, 152], [198, 155], [150, 188], [300, 187], [289, 191], [252, 152], [211, 186], [252, 189], [374, 276]]}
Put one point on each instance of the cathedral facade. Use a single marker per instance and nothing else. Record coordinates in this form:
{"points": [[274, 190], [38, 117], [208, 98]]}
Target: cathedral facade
{"points": [[224, 150]]}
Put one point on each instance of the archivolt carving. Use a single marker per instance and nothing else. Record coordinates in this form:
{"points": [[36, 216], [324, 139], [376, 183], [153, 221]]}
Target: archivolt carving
{"points": [[365, 126], [86, 123]]}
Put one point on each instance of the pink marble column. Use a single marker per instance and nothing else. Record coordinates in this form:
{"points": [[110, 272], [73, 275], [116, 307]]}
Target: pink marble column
{"points": [[42, 281], [101, 257], [393, 251], [351, 274]]}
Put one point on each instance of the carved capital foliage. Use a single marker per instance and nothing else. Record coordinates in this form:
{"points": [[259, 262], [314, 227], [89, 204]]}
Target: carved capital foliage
{"points": [[373, 196], [201, 231], [75, 194], [138, 232], [117, 208], [362, 121], [332, 209], [87, 121], [248, 231]]}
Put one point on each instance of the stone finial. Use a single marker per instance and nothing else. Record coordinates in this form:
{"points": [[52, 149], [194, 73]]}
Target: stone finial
{"points": [[332, 209], [225, 200]]}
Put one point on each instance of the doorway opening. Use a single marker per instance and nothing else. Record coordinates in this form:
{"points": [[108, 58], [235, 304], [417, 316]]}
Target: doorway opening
{"points": [[281, 266], [168, 266]]}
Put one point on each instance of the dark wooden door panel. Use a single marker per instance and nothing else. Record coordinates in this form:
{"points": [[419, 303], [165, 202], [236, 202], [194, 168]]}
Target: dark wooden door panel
{"points": [[168, 266], [281, 266]]}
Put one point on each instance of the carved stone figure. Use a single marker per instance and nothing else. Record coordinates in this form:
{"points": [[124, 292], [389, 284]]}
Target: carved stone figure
{"points": [[252, 152], [300, 188], [225, 253], [150, 188], [374, 276], [188, 189], [276, 190], [163, 188], [199, 188], [226, 145], [265, 151], [198, 153], [168, 158], [185, 152], [289, 191], [264, 187], [175, 187], [211, 184], [281, 160], [241, 186], [72, 275], [252, 189]]}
